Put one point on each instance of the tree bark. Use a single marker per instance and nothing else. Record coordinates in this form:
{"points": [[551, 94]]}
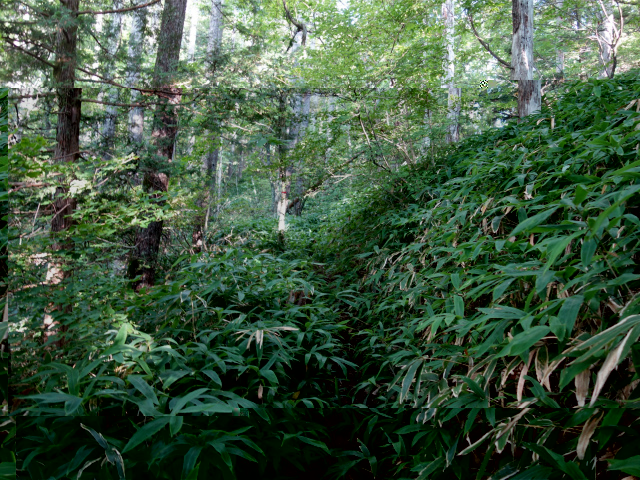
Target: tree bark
{"points": [[559, 50], [606, 40], [529, 99], [211, 159], [165, 128], [193, 30], [216, 25], [135, 48], [453, 115], [67, 149], [114, 29]]}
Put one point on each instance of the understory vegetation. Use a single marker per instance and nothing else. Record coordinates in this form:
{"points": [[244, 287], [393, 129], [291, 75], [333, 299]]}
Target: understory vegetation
{"points": [[474, 315]]}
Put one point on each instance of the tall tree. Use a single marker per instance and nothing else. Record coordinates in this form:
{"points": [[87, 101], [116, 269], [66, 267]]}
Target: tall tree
{"points": [[211, 158], [165, 127], [114, 29], [529, 98], [559, 49], [608, 37], [453, 115], [134, 54], [67, 148]]}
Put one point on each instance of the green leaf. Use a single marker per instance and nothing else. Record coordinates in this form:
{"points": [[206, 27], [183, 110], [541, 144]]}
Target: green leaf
{"points": [[222, 450], [182, 401], [143, 387], [458, 305], [211, 408], [581, 194], [315, 443], [146, 432], [270, 375], [542, 280], [629, 465], [190, 460], [501, 288], [524, 340], [122, 335], [475, 388], [604, 216], [175, 424], [562, 325], [98, 437], [588, 249], [533, 222], [408, 379], [455, 281], [213, 376]]}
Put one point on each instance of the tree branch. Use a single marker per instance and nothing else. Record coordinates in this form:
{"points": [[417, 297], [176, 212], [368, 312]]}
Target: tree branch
{"points": [[144, 91], [301, 27], [485, 44], [27, 52], [120, 10], [311, 190]]}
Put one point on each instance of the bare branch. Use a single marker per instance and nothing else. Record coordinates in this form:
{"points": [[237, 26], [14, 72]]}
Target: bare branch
{"points": [[485, 44], [120, 10]]}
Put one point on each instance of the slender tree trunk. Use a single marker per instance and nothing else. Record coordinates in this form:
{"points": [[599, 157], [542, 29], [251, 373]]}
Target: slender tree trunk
{"points": [[194, 14], [559, 50], [211, 159], [135, 49], [282, 184], [114, 29], [214, 42], [165, 128], [67, 149], [529, 99], [453, 135], [606, 34]]}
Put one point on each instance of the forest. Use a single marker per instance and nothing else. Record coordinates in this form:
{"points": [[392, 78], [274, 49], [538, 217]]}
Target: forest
{"points": [[320, 239]]}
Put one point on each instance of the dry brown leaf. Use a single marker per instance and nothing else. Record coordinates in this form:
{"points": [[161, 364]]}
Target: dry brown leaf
{"points": [[587, 432], [610, 363], [524, 371], [549, 370], [582, 386], [541, 363], [553, 123], [260, 392], [486, 205]]}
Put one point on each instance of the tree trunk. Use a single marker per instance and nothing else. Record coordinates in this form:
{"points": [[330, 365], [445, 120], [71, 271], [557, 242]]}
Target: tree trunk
{"points": [[215, 33], [67, 149], [606, 34], [453, 115], [114, 29], [165, 128], [559, 50], [211, 159], [136, 42], [529, 99], [282, 185], [193, 30]]}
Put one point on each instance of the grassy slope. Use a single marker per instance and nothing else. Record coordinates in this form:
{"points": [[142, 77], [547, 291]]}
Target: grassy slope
{"points": [[425, 289]]}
